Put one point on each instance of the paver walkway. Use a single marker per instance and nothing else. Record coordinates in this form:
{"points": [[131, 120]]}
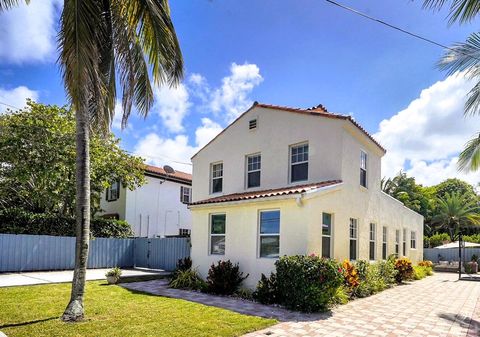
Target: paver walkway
{"points": [[438, 306]]}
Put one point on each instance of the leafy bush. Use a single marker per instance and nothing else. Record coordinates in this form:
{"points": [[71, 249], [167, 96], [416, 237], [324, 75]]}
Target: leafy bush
{"points": [[436, 239], [426, 263], [224, 278], [115, 272], [187, 279], [267, 292], [475, 238], [342, 295], [307, 283], [404, 269], [19, 221], [474, 258], [420, 272], [244, 293], [387, 270], [371, 280], [350, 275]]}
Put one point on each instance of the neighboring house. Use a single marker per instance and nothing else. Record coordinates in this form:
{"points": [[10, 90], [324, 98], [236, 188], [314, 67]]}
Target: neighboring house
{"points": [[156, 209], [284, 181]]}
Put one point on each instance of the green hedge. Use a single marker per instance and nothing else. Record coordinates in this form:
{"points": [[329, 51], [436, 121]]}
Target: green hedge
{"points": [[19, 221]]}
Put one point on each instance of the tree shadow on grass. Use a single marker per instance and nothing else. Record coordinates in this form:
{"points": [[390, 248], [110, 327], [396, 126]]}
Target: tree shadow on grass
{"points": [[27, 323]]}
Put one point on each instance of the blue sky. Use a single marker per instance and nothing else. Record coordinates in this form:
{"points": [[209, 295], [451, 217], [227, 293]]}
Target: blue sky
{"points": [[294, 53]]}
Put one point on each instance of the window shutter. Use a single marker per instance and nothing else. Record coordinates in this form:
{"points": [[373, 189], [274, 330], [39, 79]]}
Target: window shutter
{"points": [[181, 193]]}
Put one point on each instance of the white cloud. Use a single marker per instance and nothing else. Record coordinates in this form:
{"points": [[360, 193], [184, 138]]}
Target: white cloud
{"points": [[175, 151], [427, 136], [232, 97], [172, 105], [16, 97], [28, 33]]}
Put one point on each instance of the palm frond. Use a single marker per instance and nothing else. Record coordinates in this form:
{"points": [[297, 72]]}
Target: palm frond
{"points": [[463, 56], [156, 34], [469, 159], [463, 11], [7, 4]]}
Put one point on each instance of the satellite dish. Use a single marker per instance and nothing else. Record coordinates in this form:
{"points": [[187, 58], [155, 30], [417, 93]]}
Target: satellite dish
{"points": [[168, 169]]}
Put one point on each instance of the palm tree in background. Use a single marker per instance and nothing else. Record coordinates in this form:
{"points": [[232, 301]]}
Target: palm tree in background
{"points": [[454, 212], [464, 57], [102, 42]]}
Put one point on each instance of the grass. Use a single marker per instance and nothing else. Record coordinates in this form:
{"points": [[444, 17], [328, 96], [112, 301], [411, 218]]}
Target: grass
{"points": [[115, 311]]}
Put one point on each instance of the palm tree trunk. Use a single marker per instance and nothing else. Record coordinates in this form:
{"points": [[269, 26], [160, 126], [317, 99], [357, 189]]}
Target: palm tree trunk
{"points": [[74, 310]]}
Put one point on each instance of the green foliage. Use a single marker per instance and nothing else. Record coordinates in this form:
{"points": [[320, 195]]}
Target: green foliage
{"points": [[244, 294], [266, 291], [307, 283], [182, 265], [455, 185], [420, 272], [475, 238], [436, 240], [387, 270], [224, 278], [187, 279], [37, 149], [371, 279], [341, 296], [456, 211], [404, 269], [19, 221]]}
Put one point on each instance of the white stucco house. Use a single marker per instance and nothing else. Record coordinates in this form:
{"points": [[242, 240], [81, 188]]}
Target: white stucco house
{"points": [[156, 209], [284, 181]]}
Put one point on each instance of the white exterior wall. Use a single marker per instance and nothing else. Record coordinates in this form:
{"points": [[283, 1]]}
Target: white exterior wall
{"points": [[334, 153], [276, 131], [153, 209]]}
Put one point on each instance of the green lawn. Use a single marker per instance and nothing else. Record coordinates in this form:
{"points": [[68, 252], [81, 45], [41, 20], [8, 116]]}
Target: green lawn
{"points": [[115, 311]]}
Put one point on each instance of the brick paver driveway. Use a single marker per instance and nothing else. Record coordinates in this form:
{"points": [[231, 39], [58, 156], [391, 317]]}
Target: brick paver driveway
{"points": [[439, 305]]}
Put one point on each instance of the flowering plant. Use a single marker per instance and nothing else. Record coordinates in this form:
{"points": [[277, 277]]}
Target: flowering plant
{"points": [[350, 274]]}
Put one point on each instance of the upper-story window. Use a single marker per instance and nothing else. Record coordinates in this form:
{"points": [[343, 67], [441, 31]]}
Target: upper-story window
{"points": [[299, 163], [363, 168], [254, 166], [185, 194], [217, 177], [113, 191]]}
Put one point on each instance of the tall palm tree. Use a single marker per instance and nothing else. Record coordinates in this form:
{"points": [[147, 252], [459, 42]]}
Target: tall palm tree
{"points": [[102, 42], [454, 212], [464, 57]]}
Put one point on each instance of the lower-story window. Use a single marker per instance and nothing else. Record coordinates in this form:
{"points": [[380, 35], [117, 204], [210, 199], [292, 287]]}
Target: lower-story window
{"points": [[373, 236], [269, 234], [217, 234], [384, 242], [326, 234], [353, 238], [413, 240], [404, 243], [397, 242]]}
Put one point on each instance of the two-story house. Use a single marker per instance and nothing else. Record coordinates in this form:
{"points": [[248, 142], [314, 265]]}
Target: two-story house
{"points": [[156, 209], [284, 181]]}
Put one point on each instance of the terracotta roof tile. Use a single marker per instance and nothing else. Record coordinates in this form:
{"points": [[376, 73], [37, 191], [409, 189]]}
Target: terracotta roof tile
{"points": [[267, 193], [160, 171]]}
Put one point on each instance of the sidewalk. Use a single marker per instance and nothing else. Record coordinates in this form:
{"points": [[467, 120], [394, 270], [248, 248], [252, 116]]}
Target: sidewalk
{"points": [[43, 277]]}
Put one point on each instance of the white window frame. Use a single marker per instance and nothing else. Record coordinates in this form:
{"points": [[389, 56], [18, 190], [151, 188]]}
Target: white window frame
{"points": [[291, 164], [397, 242], [385, 242], [210, 234], [413, 240], [247, 171], [331, 233], [364, 167], [404, 242], [353, 221], [110, 191], [260, 235], [188, 195], [212, 178], [372, 239]]}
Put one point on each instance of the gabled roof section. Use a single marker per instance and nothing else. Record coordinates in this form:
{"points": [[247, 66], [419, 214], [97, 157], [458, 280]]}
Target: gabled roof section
{"points": [[178, 176], [267, 193], [318, 110]]}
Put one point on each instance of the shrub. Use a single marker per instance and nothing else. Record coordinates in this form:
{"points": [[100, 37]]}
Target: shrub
{"points": [[371, 280], [420, 272], [307, 283], [267, 292], [224, 278], [474, 258], [187, 279], [115, 272], [350, 275], [341, 296], [19, 221], [404, 269], [244, 293], [437, 239], [387, 270], [426, 263]]}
